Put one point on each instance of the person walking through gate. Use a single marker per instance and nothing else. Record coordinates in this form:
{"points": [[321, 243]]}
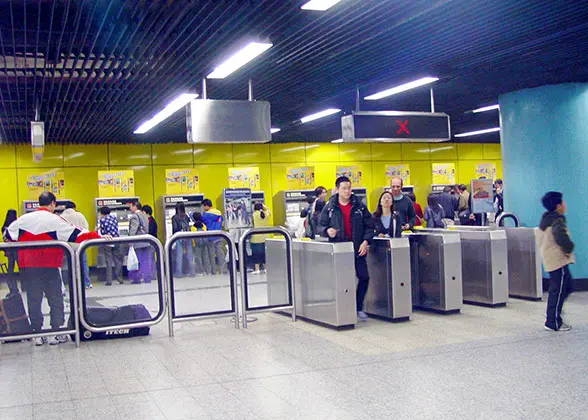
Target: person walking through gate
{"points": [[345, 218], [556, 249]]}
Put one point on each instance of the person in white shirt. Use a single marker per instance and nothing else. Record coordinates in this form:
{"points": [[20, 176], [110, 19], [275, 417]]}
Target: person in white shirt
{"points": [[78, 220]]}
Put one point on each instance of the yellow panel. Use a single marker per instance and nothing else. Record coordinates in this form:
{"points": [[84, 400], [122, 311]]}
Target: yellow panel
{"points": [[278, 180], [379, 181], [129, 154], [366, 179], [415, 151], [251, 153], [213, 153], [265, 176], [10, 199], [288, 152], [213, 178], [325, 152], [499, 169], [470, 151], [420, 177], [386, 152], [324, 174], [52, 157], [466, 170], [354, 152], [492, 151], [443, 151], [143, 181], [84, 156], [8, 156], [172, 154]]}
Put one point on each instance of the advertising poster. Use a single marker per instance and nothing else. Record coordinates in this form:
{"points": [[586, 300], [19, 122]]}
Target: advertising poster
{"points": [[401, 171], [351, 172], [244, 178], [482, 196], [237, 208], [53, 181], [182, 181], [486, 170], [300, 177], [443, 173], [116, 183]]}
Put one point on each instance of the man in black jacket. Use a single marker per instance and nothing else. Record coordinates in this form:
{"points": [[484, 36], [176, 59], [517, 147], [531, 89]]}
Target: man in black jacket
{"points": [[403, 206], [345, 218]]}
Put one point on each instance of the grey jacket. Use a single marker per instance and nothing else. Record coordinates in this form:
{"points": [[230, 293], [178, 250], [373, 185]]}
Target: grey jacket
{"points": [[139, 225]]}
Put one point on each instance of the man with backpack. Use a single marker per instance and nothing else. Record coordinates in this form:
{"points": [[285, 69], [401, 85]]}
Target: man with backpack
{"points": [[346, 219]]}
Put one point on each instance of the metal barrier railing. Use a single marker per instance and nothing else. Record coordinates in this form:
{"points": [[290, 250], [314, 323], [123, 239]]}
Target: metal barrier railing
{"points": [[291, 304], [73, 289], [204, 235], [161, 283], [503, 216]]}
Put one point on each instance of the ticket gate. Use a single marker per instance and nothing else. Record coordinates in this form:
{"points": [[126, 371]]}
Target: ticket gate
{"points": [[436, 274], [484, 265], [324, 279], [389, 295]]}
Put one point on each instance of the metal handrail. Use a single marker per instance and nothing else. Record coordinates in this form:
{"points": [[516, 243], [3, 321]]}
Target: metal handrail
{"points": [[243, 271], [500, 219], [232, 275], [73, 292], [161, 281]]}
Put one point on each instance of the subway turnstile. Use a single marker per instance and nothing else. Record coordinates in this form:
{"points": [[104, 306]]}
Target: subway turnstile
{"points": [[389, 294]]}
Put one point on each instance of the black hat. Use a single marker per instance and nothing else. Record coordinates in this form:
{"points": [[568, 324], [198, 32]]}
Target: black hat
{"points": [[551, 200]]}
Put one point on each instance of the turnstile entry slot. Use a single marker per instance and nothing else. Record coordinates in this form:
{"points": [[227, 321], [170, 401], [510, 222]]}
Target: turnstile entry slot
{"points": [[436, 272], [389, 294], [324, 278]]}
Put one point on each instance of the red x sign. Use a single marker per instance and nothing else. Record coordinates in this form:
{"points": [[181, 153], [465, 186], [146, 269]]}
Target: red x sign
{"points": [[403, 127]]}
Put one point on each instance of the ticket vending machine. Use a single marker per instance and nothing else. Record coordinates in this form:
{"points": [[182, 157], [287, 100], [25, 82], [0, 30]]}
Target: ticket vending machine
{"points": [[288, 205], [361, 193], [120, 208], [192, 202], [29, 206]]}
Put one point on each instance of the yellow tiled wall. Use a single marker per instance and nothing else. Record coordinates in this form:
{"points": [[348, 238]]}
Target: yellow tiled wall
{"points": [[81, 164]]}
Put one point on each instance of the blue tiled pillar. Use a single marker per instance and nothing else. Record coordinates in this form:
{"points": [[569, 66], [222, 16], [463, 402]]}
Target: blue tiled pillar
{"points": [[545, 147]]}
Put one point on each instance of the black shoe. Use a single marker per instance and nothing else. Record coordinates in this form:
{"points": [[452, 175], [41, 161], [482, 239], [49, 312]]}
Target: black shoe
{"points": [[108, 284]]}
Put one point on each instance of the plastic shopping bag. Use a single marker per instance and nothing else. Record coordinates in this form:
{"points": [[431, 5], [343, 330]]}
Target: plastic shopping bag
{"points": [[132, 260]]}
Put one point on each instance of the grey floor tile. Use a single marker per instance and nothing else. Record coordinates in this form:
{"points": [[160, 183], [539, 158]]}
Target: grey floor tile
{"points": [[22, 412]]}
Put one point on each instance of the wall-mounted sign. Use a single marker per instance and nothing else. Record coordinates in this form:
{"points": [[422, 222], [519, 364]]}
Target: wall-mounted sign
{"points": [[53, 182], [244, 178], [444, 173], [237, 208], [116, 183], [482, 196], [182, 181], [301, 177], [400, 171], [486, 170], [395, 126], [351, 172]]}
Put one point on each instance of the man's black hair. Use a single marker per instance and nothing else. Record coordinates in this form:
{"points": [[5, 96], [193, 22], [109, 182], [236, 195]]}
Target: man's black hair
{"points": [[551, 200], [70, 205], [148, 210], [46, 198], [206, 202], [104, 210], [341, 180], [447, 189]]}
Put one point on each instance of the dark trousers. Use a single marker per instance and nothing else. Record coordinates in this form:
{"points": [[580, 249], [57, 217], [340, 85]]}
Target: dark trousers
{"points": [[10, 276], [113, 260], [44, 282], [363, 279], [560, 287]]}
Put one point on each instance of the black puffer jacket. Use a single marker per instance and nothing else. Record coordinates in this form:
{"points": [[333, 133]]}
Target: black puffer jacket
{"points": [[362, 223]]}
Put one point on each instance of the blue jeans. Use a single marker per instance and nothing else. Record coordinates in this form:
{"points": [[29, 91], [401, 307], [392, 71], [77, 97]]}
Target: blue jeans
{"points": [[183, 258], [85, 270]]}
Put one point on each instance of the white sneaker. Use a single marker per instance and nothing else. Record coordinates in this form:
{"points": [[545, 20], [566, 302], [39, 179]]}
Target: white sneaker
{"points": [[362, 316], [39, 341], [58, 339], [256, 272], [564, 327]]}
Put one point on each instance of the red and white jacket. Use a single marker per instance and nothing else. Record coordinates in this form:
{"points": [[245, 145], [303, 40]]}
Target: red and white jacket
{"points": [[42, 225]]}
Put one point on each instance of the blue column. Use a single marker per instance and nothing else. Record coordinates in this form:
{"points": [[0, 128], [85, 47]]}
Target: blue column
{"points": [[545, 147]]}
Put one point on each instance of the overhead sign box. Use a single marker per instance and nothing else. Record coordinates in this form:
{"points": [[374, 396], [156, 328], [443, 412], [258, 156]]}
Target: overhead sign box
{"points": [[217, 121], [396, 126]]}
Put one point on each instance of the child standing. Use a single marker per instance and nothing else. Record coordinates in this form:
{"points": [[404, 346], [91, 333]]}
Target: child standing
{"points": [[556, 251]]}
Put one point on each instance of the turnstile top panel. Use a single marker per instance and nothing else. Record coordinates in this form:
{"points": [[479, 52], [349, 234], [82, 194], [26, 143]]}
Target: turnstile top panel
{"points": [[395, 243]]}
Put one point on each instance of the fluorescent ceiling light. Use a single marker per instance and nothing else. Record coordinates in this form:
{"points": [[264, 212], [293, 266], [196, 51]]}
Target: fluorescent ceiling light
{"points": [[401, 88], [475, 133], [275, 130], [175, 105], [321, 5], [318, 115], [337, 141], [239, 59], [486, 108]]}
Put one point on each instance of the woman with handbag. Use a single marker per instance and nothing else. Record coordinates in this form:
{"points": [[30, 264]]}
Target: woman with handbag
{"points": [[139, 225]]}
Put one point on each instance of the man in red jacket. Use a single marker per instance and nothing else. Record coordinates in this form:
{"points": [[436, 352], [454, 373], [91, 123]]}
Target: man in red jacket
{"points": [[40, 266]]}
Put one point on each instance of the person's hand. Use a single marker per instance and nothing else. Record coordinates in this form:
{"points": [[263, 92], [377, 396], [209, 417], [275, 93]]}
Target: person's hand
{"points": [[381, 235], [363, 249], [406, 227], [331, 232], [107, 237], [472, 217]]}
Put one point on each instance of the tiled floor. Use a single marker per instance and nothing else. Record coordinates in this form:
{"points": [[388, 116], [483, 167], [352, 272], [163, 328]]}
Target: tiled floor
{"points": [[481, 364]]}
